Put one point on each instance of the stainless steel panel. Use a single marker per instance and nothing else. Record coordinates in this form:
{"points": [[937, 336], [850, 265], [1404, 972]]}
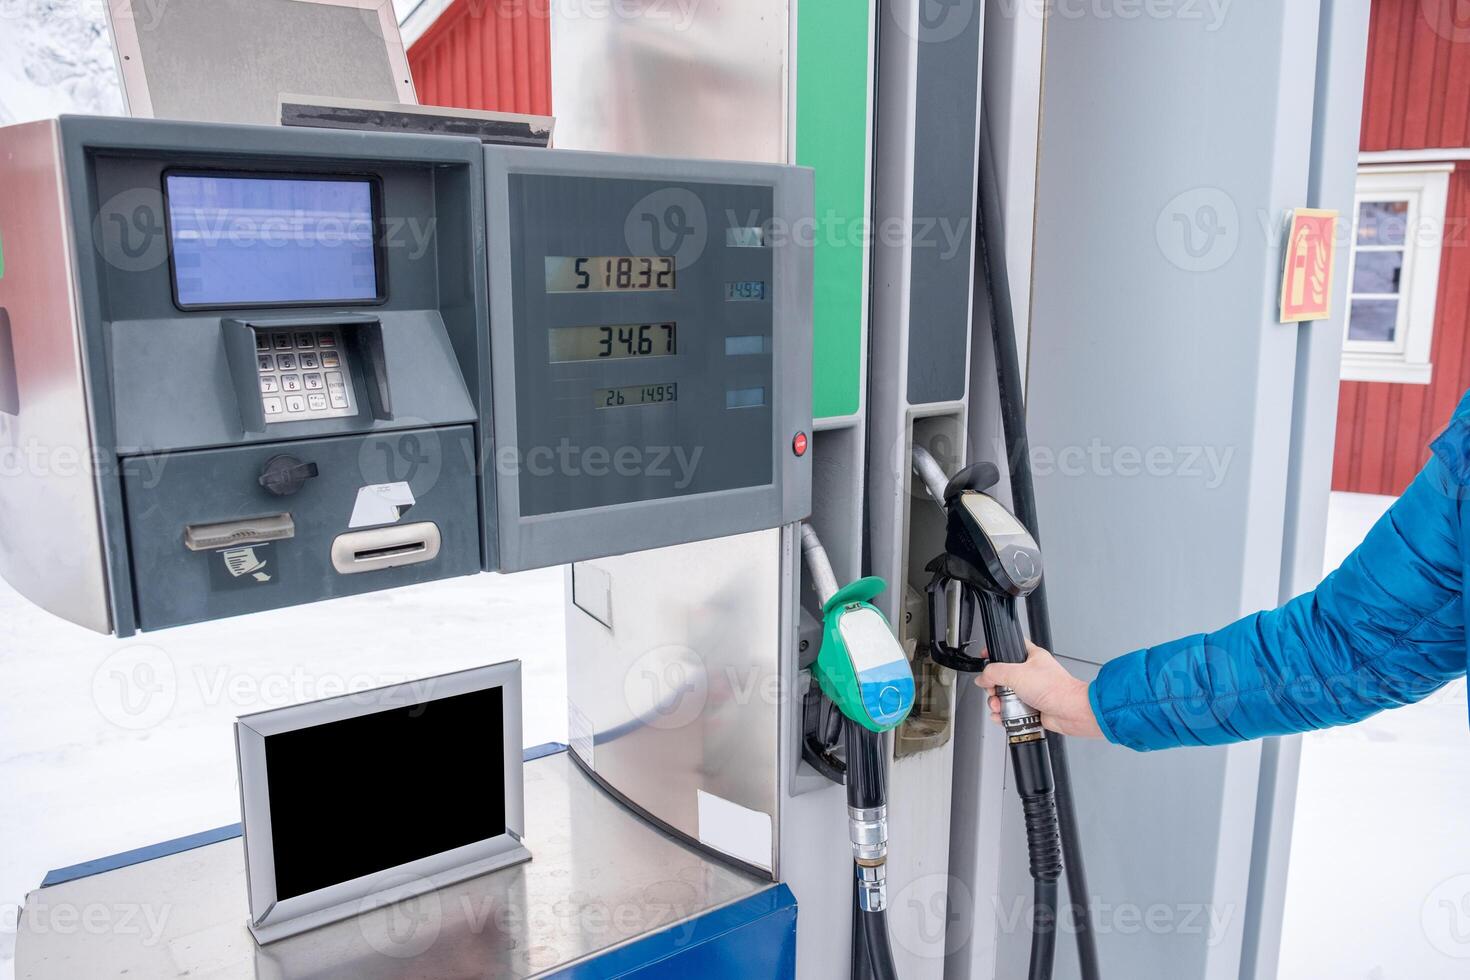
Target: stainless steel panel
{"points": [[173, 57], [50, 540], [681, 694], [704, 80], [600, 878], [272, 917]]}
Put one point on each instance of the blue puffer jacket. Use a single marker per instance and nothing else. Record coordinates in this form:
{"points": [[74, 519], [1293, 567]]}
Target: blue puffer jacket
{"points": [[1384, 630]]}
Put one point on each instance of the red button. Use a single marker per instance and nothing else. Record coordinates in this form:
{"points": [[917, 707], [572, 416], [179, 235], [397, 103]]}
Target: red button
{"points": [[798, 445]]}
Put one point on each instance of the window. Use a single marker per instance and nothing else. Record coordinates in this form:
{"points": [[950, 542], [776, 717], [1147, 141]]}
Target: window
{"points": [[1394, 269]]}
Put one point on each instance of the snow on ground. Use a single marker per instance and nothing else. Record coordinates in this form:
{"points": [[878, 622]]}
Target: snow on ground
{"points": [[55, 57], [107, 745], [1379, 885]]}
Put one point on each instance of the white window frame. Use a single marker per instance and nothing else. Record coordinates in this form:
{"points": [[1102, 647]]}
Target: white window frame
{"points": [[1405, 359]]}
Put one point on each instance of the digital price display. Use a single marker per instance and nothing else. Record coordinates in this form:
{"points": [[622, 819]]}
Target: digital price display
{"points": [[609, 273], [611, 331], [613, 341], [635, 395], [750, 290]]}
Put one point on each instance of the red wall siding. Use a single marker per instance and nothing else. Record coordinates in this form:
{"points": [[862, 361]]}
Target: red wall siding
{"points": [[486, 54], [1416, 96]]}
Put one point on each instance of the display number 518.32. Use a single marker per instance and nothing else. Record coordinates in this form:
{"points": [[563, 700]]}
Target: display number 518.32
{"points": [[616, 272]]}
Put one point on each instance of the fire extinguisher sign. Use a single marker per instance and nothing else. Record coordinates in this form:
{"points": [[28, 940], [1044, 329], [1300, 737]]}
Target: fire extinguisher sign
{"points": [[1306, 283]]}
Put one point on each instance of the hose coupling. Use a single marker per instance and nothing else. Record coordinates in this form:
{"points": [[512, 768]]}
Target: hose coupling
{"points": [[1022, 722], [867, 828], [872, 887]]}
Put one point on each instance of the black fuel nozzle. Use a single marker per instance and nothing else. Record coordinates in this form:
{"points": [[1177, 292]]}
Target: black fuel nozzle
{"points": [[949, 574], [991, 561]]}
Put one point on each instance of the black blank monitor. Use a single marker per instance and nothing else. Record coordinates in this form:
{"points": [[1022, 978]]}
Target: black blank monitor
{"points": [[369, 798], [352, 797]]}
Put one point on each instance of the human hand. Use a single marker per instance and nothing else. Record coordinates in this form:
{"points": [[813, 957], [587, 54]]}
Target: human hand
{"points": [[1044, 684]]}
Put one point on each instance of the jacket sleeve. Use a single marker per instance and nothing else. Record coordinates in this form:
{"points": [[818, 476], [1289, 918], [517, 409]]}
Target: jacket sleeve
{"points": [[1385, 629]]}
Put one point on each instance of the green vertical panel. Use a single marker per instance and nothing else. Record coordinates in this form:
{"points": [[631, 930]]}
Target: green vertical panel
{"points": [[832, 119]]}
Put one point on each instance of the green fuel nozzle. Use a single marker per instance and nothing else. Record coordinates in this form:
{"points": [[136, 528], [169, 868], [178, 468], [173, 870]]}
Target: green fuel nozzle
{"points": [[861, 666]]}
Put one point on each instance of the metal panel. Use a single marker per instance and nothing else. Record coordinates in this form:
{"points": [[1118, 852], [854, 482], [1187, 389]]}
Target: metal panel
{"points": [[601, 878], [529, 539], [924, 183], [755, 937], [115, 281], [681, 80], [50, 540], [941, 226], [834, 134], [721, 86], [166, 493], [678, 696], [172, 57], [273, 917], [1163, 502], [1341, 46]]}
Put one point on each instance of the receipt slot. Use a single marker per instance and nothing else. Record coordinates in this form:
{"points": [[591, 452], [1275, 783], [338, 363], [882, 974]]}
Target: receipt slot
{"points": [[246, 366]]}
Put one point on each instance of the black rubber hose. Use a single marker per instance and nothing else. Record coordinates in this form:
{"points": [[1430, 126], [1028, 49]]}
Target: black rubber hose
{"points": [[872, 953], [866, 780], [872, 956], [1043, 931], [877, 948], [1032, 765], [993, 278]]}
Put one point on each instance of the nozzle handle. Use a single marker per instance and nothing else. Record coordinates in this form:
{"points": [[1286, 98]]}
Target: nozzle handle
{"points": [[976, 476]]}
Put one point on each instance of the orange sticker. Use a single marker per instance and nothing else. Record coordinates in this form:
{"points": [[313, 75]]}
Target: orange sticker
{"points": [[1306, 285]]}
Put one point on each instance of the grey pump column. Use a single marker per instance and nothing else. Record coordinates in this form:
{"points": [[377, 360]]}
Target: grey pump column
{"points": [[1161, 404], [928, 92]]}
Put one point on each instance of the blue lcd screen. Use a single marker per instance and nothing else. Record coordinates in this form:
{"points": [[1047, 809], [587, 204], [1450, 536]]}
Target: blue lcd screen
{"points": [[272, 241]]}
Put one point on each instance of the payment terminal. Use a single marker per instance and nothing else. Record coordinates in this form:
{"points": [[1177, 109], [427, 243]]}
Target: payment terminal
{"points": [[249, 365]]}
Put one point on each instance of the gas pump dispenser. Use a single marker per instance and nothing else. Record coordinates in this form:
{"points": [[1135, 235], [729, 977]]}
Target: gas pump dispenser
{"points": [[307, 364]]}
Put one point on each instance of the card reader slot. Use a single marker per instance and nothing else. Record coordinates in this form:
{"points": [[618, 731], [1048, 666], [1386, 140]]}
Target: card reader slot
{"points": [[241, 533], [385, 547]]}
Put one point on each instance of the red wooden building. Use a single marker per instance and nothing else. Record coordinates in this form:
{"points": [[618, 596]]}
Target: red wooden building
{"points": [[1406, 360], [481, 54]]}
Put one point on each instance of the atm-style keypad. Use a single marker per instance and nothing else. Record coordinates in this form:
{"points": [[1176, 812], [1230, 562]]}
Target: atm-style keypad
{"points": [[303, 375]]}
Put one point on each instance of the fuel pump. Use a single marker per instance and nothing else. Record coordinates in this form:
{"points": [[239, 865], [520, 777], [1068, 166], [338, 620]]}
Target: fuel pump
{"points": [[863, 670], [989, 562]]}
